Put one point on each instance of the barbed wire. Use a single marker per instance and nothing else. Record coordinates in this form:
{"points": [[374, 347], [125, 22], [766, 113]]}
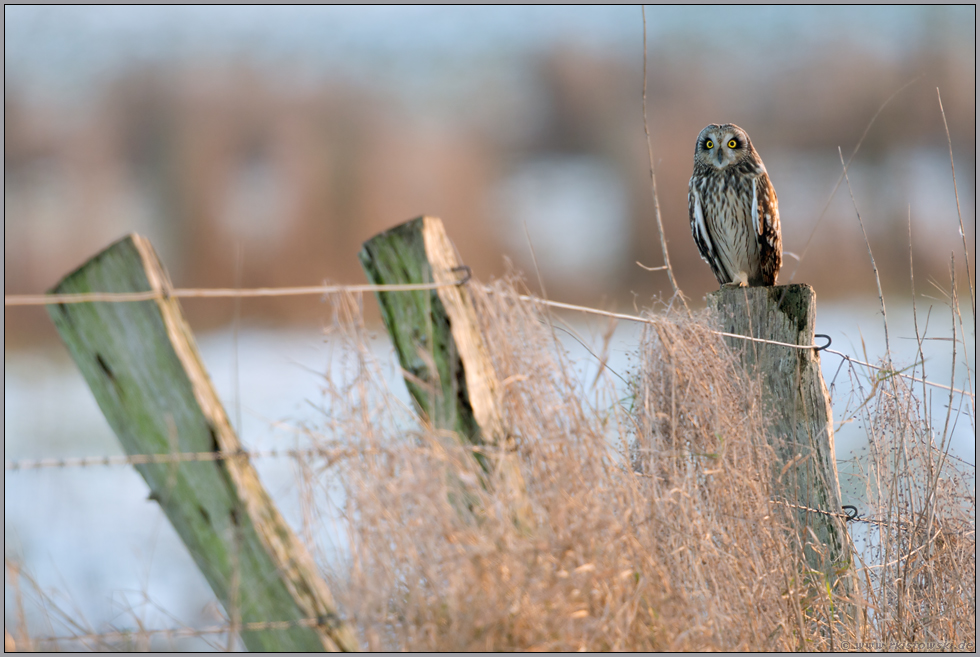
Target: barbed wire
{"points": [[324, 290], [174, 457], [258, 626], [332, 455], [58, 463], [188, 632]]}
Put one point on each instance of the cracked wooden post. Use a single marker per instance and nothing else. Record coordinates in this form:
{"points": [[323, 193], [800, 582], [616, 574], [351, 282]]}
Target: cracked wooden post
{"points": [[796, 400], [142, 365], [440, 327]]}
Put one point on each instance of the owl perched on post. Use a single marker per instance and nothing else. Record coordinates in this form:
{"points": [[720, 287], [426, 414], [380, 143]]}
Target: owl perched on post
{"points": [[734, 214]]}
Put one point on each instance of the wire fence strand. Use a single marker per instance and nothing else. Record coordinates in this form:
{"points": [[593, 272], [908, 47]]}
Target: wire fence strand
{"points": [[184, 632], [211, 293], [331, 455], [174, 457], [652, 320], [189, 632], [900, 523], [324, 290]]}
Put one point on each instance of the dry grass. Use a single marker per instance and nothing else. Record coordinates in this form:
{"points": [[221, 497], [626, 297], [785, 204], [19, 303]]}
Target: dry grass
{"points": [[653, 528], [919, 571], [919, 568], [652, 522]]}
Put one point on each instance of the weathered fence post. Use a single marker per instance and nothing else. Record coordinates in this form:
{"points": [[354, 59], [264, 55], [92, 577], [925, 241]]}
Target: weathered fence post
{"points": [[798, 404], [141, 362], [440, 327]]}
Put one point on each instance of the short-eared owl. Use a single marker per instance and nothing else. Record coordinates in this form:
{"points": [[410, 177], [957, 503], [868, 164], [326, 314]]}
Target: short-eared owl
{"points": [[734, 215]]}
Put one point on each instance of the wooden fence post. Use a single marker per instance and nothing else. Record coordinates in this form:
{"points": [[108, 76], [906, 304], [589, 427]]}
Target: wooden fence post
{"points": [[798, 405], [440, 327], [142, 365]]}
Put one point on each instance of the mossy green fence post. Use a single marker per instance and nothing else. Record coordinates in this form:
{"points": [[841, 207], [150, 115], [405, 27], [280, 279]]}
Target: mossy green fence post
{"points": [[440, 328], [796, 399], [141, 363]]}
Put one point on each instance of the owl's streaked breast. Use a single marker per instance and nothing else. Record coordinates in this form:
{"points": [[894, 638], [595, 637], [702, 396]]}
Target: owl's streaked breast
{"points": [[728, 216]]}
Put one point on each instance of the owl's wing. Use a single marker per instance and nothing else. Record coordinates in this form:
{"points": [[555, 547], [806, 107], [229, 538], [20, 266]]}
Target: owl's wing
{"points": [[765, 218], [702, 236]]}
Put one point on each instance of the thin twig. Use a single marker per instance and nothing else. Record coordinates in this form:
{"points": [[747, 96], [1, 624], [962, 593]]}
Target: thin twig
{"points": [[653, 176], [874, 267], [966, 252], [840, 179], [544, 293]]}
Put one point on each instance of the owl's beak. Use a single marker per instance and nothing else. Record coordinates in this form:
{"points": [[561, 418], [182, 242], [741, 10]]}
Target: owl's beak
{"points": [[720, 154]]}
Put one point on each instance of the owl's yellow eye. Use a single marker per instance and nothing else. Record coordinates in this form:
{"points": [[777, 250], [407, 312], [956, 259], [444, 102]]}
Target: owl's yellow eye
{"points": [[709, 144], [732, 143]]}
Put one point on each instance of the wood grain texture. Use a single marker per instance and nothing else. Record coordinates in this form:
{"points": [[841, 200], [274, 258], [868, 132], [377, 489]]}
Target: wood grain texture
{"points": [[142, 365], [797, 403], [419, 327], [440, 327]]}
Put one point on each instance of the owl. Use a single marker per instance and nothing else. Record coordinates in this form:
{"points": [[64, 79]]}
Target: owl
{"points": [[734, 214]]}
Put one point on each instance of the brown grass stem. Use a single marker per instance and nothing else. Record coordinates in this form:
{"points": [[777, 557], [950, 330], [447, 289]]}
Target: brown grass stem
{"points": [[874, 267], [840, 179], [653, 175], [959, 213]]}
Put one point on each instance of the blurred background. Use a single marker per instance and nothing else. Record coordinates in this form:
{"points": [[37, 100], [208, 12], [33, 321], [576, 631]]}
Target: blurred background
{"points": [[291, 135], [296, 133]]}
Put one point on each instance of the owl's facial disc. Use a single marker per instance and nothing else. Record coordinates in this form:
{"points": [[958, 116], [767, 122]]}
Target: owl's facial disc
{"points": [[721, 154]]}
